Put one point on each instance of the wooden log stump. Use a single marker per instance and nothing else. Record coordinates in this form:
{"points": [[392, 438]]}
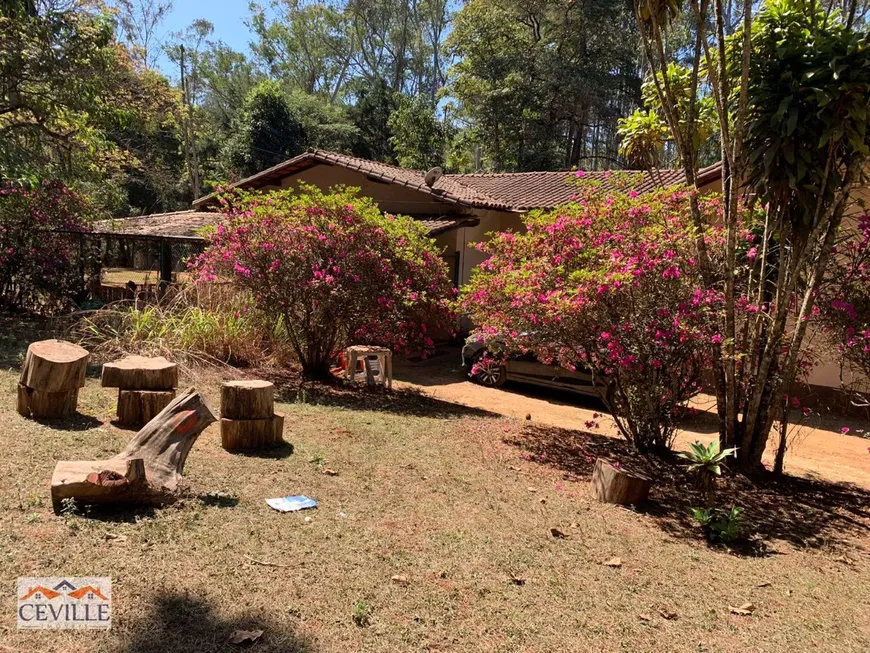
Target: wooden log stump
{"points": [[54, 366], [161, 447], [247, 434], [138, 407], [612, 484], [46, 405], [247, 399], [140, 373]]}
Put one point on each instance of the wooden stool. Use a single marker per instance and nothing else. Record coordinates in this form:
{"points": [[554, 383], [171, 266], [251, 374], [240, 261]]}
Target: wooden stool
{"points": [[53, 372], [145, 387], [248, 417], [365, 352]]}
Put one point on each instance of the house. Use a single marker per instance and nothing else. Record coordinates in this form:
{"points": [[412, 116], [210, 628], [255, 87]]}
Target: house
{"points": [[456, 209]]}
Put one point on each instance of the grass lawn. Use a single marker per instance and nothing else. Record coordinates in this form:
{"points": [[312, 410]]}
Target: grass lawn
{"points": [[455, 502]]}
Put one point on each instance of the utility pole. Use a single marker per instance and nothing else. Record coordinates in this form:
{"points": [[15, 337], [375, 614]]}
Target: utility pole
{"points": [[190, 155]]}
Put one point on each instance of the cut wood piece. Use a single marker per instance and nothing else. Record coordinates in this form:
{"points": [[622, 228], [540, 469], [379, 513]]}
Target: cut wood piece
{"points": [[99, 481], [162, 446], [613, 484], [246, 434], [140, 373], [46, 405], [54, 366], [138, 407], [247, 399]]}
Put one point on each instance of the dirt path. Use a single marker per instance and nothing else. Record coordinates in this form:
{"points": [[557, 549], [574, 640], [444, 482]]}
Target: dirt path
{"points": [[820, 448]]}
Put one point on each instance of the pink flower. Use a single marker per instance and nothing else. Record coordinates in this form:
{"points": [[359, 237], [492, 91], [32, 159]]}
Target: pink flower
{"points": [[845, 430], [752, 253], [716, 339], [580, 174]]}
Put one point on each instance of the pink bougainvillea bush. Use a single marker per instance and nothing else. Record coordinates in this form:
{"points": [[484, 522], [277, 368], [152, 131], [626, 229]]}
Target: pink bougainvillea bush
{"points": [[331, 269], [844, 306], [40, 265], [608, 282]]}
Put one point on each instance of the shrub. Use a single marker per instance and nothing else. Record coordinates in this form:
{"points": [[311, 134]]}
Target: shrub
{"points": [[196, 327], [607, 282], [844, 306], [39, 268], [333, 268], [720, 525]]}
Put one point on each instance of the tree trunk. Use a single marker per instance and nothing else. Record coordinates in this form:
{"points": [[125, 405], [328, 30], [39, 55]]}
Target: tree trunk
{"points": [[46, 405], [612, 484], [138, 407], [246, 434], [54, 366], [140, 373], [247, 399], [159, 450]]}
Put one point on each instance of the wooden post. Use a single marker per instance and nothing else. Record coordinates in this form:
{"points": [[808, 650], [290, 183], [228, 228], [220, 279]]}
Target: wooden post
{"points": [[165, 266], [248, 417]]}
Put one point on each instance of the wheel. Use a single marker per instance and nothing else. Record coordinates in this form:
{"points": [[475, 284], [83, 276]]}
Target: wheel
{"points": [[489, 372]]}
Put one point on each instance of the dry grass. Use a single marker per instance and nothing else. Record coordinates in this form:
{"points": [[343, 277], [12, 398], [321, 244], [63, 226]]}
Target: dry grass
{"points": [[458, 501]]}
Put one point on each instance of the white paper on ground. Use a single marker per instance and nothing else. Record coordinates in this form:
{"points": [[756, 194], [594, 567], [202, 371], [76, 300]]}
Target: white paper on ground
{"points": [[292, 503]]}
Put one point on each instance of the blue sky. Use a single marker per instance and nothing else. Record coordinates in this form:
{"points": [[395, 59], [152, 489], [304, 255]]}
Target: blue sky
{"points": [[227, 16]]}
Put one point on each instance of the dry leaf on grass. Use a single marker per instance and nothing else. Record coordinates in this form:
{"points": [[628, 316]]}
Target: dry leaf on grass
{"points": [[613, 562], [532, 489], [644, 617], [764, 584], [843, 559], [398, 579], [667, 613], [330, 472], [115, 537], [517, 580], [744, 610], [558, 534], [245, 636]]}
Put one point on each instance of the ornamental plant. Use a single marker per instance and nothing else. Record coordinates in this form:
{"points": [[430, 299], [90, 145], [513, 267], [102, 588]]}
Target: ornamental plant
{"points": [[608, 282], [41, 262], [331, 270], [844, 304]]}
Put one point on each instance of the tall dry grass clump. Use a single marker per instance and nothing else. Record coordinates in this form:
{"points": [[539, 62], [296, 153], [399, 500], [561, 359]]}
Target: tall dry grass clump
{"points": [[199, 324]]}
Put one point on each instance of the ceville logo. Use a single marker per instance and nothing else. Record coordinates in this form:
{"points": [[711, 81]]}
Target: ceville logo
{"points": [[65, 602]]}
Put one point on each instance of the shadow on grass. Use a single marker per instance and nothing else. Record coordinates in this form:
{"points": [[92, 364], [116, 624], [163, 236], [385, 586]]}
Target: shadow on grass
{"points": [[180, 623], [806, 512], [343, 394], [279, 451], [77, 422]]}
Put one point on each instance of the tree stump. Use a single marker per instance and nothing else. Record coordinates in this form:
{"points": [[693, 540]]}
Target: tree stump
{"points": [[136, 407], [247, 434], [140, 373], [247, 399], [53, 372], [149, 468], [46, 405], [613, 484]]}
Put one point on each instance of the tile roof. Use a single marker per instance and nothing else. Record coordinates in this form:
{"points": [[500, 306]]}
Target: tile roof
{"points": [[178, 224], [186, 225], [513, 192]]}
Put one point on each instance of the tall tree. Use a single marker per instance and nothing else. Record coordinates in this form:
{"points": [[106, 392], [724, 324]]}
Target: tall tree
{"points": [[140, 21], [542, 83], [265, 133]]}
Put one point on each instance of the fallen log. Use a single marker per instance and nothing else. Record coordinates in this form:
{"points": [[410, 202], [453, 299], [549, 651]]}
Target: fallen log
{"points": [[160, 448], [140, 373], [613, 484], [54, 366]]}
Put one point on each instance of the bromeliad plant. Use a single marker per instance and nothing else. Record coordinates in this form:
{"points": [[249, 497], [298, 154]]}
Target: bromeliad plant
{"points": [[706, 463], [333, 269], [609, 283]]}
